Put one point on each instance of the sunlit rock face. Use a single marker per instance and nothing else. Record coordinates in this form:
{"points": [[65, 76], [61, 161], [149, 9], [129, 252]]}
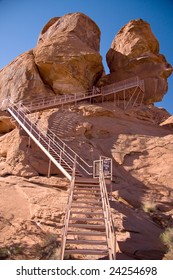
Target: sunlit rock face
{"points": [[20, 80], [67, 53], [135, 52]]}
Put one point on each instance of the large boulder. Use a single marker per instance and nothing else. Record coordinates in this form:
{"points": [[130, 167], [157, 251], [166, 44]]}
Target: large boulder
{"points": [[135, 52], [67, 53], [20, 80]]}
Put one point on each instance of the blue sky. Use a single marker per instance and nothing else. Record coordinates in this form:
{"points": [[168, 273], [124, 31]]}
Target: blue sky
{"points": [[21, 22]]}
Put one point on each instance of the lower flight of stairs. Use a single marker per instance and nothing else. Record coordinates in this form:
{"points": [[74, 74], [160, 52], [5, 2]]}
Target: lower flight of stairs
{"points": [[86, 234]]}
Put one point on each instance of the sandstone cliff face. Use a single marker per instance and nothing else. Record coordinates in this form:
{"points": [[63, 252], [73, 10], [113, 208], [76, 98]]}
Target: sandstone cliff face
{"points": [[142, 153], [135, 52], [20, 80], [67, 53]]}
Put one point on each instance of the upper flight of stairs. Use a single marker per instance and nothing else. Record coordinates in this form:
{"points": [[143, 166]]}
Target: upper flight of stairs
{"points": [[56, 150], [51, 102], [64, 124]]}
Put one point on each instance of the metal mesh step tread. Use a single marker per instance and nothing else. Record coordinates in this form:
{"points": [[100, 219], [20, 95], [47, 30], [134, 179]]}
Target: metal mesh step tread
{"points": [[93, 202], [87, 226], [87, 180], [87, 233], [89, 207], [90, 242], [91, 198], [88, 213], [87, 189], [86, 184], [88, 194], [87, 219], [86, 252]]}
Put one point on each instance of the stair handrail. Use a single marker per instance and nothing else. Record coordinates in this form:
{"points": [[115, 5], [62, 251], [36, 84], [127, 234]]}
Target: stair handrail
{"points": [[118, 86], [56, 141], [67, 214], [31, 127], [60, 97], [110, 230], [40, 103]]}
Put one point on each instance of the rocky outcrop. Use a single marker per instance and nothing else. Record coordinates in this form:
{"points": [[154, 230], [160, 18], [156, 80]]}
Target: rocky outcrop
{"points": [[135, 52], [67, 53], [168, 123], [6, 124], [65, 60], [20, 156], [20, 80], [31, 217], [138, 146]]}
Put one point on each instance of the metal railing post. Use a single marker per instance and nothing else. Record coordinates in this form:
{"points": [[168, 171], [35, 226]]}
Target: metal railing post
{"points": [[67, 214], [110, 231]]}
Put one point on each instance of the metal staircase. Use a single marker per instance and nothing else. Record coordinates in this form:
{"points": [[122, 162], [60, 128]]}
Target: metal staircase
{"points": [[88, 228], [88, 212], [130, 91], [56, 150]]}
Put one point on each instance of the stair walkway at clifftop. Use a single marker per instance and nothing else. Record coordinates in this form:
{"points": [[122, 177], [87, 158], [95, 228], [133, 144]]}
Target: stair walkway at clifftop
{"points": [[88, 227], [131, 90]]}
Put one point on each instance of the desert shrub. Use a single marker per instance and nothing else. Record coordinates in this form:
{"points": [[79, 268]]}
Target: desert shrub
{"points": [[167, 239], [149, 206]]}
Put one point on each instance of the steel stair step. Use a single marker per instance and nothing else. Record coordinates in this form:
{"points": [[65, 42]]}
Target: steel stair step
{"points": [[55, 157], [88, 194], [86, 252], [93, 202], [100, 227], [54, 154], [89, 242], [87, 189], [87, 180], [87, 200], [88, 213], [86, 233], [87, 219], [86, 185], [43, 144], [87, 197], [87, 207]]}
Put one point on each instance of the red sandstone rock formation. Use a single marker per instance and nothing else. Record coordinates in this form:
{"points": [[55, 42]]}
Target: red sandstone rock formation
{"points": [[135, 52], [67, 53], [20, 80]]}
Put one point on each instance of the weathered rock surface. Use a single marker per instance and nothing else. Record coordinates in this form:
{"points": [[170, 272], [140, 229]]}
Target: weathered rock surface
{"points": [[6, 124], [20, 80], [67, 53], [142, 153], [135, 52], [168, 123], [31, 217], [65, 60], [20, 156]]}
